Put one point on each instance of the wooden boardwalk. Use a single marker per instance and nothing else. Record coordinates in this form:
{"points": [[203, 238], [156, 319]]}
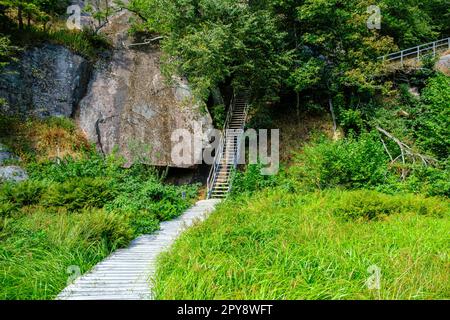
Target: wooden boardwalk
{"points": [[126, 274]]}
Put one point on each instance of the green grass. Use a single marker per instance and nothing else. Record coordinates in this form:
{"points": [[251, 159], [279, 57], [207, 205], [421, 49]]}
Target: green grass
{"points": [[38, 246], [76, 208], [279, 245], [85, 43]]}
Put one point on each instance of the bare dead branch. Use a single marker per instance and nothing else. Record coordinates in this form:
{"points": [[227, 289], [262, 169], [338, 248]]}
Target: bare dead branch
{"points": [[405, 152], [146, 41]]}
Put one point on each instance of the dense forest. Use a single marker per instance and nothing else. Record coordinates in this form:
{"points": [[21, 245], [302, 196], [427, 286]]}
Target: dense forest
{"points": [[365, 169]]}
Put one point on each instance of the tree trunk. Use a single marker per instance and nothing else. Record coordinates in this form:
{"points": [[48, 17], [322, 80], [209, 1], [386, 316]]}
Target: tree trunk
{"points": [[330, 102], [29, 20], [20, 17], [297, 105]]}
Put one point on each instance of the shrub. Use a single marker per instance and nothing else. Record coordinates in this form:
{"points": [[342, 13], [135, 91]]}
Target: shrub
{"points": [[43, 139], [433, 126], [430, 181], [90, 166], [79, 193], [143, 222], [22, 194], [218, 115], [351, 120], [7, 209], [163, 201], [252, 180], [371, 205], [352, 163]]}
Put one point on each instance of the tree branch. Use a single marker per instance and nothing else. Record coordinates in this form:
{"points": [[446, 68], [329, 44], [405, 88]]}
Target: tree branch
{"points": [[146, 41], [405, 151]]}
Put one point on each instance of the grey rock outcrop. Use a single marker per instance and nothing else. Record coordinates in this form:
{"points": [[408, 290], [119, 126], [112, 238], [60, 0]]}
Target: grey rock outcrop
{"points": [[131, 107], [48, 80], [13, 173], [6, 155], [444, 64]]}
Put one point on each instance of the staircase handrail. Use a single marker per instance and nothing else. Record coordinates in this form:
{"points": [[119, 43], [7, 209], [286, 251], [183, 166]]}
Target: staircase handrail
{"points": [[417, 50], [237, 153], [218, 156]]}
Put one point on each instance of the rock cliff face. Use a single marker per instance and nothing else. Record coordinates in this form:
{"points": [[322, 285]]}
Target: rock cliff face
{"points": [[121, 103], [49, 80], [131, 107]]}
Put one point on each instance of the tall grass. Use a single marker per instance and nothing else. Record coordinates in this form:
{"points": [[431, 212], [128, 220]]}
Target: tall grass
{"points": [[76, 208], [277, 245], [39, 246]]}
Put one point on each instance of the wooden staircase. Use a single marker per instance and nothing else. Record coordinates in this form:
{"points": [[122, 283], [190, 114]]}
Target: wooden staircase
{"points": [[228, 152]]}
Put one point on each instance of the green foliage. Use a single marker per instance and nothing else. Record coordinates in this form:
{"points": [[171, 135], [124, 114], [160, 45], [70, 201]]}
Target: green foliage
{"points": [[86, 42], [143, 222], [39, 246], [279, 245], [251, 180], [79, 193], [351, 163], [76, 211], [155, 199], [219, 40], [309, 74], [111, 229], [7, 51], [433, 119], [22, 194], [261, 118], [269, 45], [7, 209], [365, 204], [430, 181], [351, 121], [218, 115], [34, 11]]}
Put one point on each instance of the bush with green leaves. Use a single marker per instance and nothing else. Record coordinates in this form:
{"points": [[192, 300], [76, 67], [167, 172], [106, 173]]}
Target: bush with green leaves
{"points": [[218, 115], [22, 194], [92, 165], [426, 180], [351, 162], [351, 121], [370, 205], [433, 119], [251, 180], [152, 199], [79, 193]]}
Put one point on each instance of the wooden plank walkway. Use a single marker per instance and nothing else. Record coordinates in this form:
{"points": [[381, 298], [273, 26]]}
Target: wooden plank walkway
{"points": [[126, 274]]}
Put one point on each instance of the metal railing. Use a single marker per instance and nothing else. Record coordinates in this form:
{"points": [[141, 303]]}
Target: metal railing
{"points": [[218, 157], [418, 51], [237, 153], [223, 144]]}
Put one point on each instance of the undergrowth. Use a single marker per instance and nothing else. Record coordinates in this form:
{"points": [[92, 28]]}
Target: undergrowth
{"points": [[76, 208], [276, 244]]}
